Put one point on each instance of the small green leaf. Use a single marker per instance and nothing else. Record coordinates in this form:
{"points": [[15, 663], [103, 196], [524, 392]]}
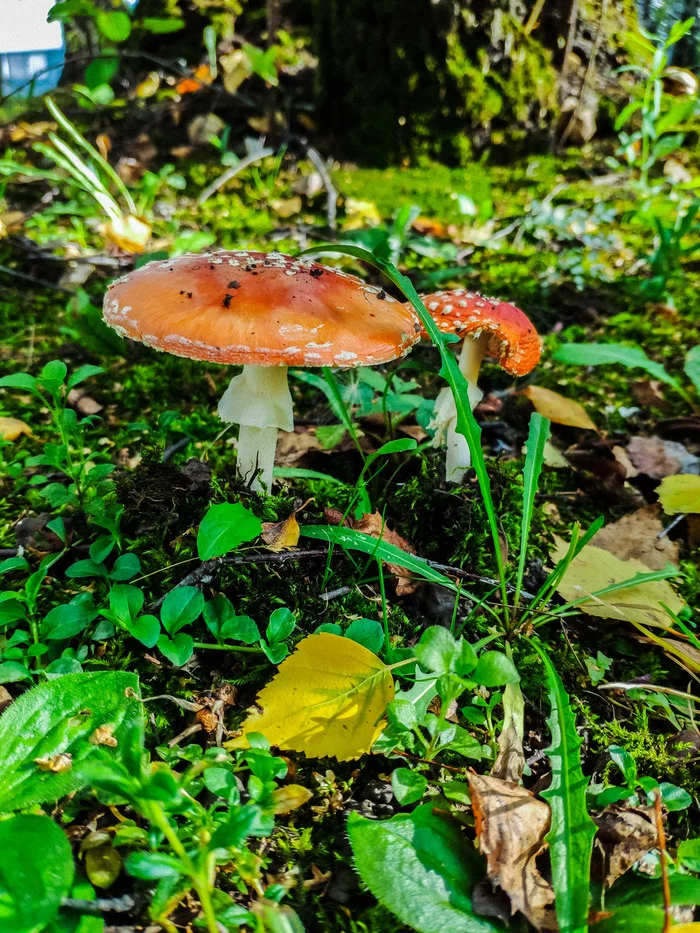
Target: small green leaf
{"points": [[18, 381], [180, 607], [126, 566], [160, 25], [281, 625], [408, 786], [437, 650], [126, 601], [145, 629], [224, 527], [367, 632], [625, 762], [494, 669], [115, 25], [151, 866], [32, 847], [64, 622], [177, 650]]}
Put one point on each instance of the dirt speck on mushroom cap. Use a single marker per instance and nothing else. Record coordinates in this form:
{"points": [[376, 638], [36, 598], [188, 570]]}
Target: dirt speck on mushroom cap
{"points": [[261, 309], [514, 342]]}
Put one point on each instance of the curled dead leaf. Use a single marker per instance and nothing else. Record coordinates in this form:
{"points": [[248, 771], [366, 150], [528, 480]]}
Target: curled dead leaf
{"points": [[58, 764], [103, 736], [510, 827], [624, 835]]}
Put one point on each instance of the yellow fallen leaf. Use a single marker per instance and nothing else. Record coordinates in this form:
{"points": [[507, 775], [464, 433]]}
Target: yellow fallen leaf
{"points": [[558, 408], [328, 699], [279, 536], [686, 928], [594, 569], [680, 493], [289, 797], [12, 428], [128, 233]]}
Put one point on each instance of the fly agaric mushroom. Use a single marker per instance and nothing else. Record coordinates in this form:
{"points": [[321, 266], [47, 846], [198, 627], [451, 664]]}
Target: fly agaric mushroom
{"points": [[488, 326], [266, 311]]}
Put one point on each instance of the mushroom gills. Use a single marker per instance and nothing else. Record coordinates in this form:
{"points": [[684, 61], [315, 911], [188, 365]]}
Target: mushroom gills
{"points": [[258, 399]]}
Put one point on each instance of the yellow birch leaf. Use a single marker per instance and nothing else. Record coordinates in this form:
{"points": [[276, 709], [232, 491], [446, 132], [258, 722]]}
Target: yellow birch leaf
{"points": [[686, 928], [594, 569], [281, 535], [327, 699], [558, 408], [680, 493], [12, 428]]}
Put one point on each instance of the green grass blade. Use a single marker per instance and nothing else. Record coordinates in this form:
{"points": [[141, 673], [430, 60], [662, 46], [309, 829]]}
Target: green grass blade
{"points": [[570, 837], [467, 424], [65, 123], [537, 438], [576, 545], [357, 541]]}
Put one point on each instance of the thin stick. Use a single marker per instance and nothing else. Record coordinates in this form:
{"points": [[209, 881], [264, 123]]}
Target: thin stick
{"points": [[314, 156], [232, 172], [590, 71], [533, 17]]}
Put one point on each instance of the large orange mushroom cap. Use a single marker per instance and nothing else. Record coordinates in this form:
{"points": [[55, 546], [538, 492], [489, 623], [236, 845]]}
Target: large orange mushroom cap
{"points": [[263, 309], [514, 341]]}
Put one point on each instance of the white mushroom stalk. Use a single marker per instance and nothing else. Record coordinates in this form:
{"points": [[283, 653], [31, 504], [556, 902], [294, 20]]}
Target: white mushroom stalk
{"points": [[260, 402], [458, 458]]}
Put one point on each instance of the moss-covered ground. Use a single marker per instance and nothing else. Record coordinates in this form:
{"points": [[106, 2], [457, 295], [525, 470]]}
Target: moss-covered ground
{"points": [[575, 259]]}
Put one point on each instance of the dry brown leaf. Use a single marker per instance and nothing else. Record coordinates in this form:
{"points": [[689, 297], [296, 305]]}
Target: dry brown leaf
{"points": [[58, 764], [510, 826], [374, 525], [635, 536], [279, 536], [620, 454], [292, 446], [83, 403], [558, 408], [103, 736], [595, 569], [12, 428], [624, 835], [657, 458]]}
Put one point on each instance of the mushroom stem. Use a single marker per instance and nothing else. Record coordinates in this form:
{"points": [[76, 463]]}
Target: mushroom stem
{"points": [[255, 455], [457, 457], [259, 400]]}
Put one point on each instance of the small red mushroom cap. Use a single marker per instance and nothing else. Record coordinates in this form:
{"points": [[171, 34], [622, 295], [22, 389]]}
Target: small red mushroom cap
{"points": [[263, 309], [514, 341]]}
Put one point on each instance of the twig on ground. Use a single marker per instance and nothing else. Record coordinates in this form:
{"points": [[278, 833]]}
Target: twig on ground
{"points": [[233, 171], [316, 159], [206, 571]]}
